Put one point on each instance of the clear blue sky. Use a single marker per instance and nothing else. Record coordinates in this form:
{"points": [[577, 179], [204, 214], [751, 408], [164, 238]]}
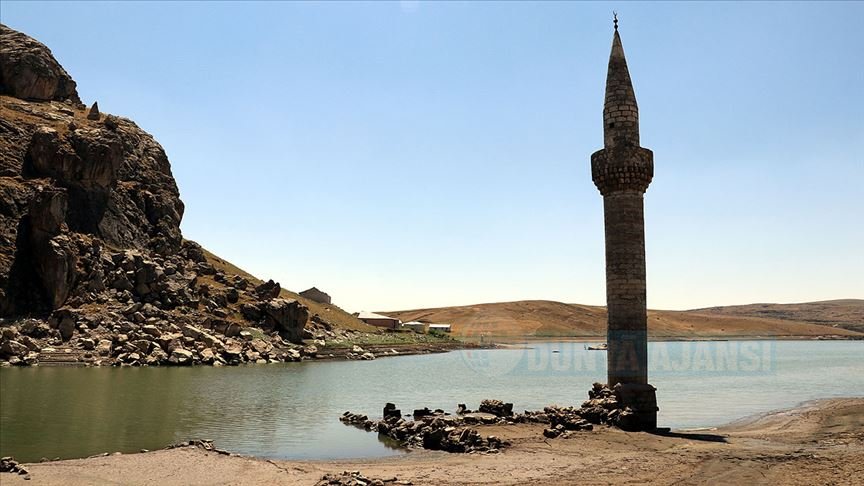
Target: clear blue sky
{"points": [[402, 155]]}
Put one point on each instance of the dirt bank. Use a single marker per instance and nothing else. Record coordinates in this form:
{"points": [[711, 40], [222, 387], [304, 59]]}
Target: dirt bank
{"points": [[819, 443]]}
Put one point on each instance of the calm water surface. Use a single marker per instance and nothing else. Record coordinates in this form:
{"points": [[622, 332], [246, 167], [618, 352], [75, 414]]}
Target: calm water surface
{"points": [[291, 410]]}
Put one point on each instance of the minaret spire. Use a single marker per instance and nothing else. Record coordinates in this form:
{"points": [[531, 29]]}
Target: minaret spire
{"points": [[620, 111]]}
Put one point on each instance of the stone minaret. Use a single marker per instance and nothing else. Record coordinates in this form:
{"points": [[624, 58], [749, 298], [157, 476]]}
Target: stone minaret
{"points": [[622, 171]]}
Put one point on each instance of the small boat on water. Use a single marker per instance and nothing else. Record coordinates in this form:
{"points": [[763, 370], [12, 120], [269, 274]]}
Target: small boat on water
{"points": [[598, 347]]}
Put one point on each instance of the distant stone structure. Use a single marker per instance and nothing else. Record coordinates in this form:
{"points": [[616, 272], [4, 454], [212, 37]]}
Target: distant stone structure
{"points": [[622, 171], [316, 295], [379, 320]]}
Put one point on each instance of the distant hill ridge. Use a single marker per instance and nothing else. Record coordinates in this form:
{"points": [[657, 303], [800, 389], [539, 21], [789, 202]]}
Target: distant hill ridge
{"points": [[845, 313], [541, 318]]}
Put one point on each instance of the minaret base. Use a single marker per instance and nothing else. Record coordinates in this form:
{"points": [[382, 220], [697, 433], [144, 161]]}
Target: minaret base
{"points": [[639, 406]]}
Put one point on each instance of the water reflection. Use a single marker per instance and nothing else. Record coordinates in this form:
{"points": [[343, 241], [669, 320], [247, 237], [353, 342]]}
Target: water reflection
{"points": [[292, 410], [385, 440]]}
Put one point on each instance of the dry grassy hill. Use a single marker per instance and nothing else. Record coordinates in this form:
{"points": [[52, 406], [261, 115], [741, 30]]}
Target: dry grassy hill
{"points": [[845, 313], [540, 318]]}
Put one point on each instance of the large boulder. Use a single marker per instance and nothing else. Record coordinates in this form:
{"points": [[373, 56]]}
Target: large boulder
{"points": [[28, 70], [64, 320], [287, 316], [260, 346], [180, 356], [496, 407], [104, 347], [12, 348], [268, 290], [53, 254]]}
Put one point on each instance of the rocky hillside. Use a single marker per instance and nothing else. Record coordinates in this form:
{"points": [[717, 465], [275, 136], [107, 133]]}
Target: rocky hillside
{"points": [[93, 265], [543, 319]]}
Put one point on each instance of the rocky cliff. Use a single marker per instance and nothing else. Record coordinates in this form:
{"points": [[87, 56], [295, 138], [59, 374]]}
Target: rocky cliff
{"points": [[93, 265]]}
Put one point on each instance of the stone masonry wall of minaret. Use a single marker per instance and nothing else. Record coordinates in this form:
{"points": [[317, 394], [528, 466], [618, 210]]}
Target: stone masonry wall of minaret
{"points": [[627, 337], [622, 171]]}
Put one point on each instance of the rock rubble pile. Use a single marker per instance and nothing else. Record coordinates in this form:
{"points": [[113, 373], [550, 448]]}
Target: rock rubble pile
{"points": [[355, 478], [131, 308], [439, 430]]}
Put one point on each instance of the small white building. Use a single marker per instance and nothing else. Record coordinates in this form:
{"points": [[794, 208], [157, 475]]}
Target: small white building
{"points": [[439, 327], [415, 326]]}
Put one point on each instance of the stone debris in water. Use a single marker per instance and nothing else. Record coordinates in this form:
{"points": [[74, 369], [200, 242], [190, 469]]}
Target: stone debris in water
{"points": [[496, 407], [438, 430], [390, 410], [435, 431]]}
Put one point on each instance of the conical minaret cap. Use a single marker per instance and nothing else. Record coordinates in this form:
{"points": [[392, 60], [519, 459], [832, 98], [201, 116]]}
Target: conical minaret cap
{"points": [[620, 111], [622, 165]]}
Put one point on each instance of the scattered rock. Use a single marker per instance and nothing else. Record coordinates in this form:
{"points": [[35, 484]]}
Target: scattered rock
{"points": [[390, 410], [268, 290], [429, 430], [496, 407], [353, 418], [13, 349], [93, 114], [111, 122], [104, 347], [421, 412], [205, 444], [261, 346], [9, 464], [180, 356], [66, 326], [354, 478]]}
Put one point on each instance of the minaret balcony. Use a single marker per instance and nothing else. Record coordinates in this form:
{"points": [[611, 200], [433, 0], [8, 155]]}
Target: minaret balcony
{"points": [[626, 168]]}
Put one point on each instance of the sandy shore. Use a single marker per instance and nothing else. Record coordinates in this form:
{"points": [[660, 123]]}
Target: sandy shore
{"points": [[818, 443]]}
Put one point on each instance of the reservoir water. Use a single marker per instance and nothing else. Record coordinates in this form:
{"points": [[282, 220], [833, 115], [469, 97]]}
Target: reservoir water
{"points": [[292, 410]]}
